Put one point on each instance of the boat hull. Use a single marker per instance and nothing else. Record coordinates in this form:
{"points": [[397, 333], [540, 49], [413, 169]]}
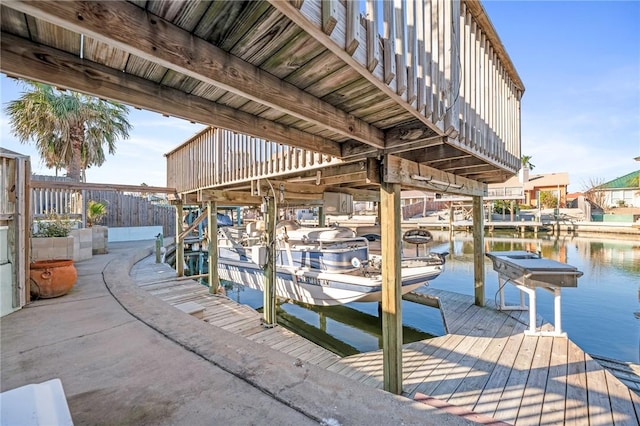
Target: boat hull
{"points": [[321, 288]]}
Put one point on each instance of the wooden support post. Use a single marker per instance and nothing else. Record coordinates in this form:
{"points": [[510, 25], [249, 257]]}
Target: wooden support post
{"points": [[391, 284], [179, 241], [478, 251], [269, 296], [83, 204], [451, 216], [212, 236]]}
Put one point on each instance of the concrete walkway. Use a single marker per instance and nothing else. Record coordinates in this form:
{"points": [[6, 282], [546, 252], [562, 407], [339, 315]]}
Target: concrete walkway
{"points": [[126, 358]]}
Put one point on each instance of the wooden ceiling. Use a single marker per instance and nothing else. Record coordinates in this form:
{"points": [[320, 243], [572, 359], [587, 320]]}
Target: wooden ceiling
{"points": [[264, 68]]}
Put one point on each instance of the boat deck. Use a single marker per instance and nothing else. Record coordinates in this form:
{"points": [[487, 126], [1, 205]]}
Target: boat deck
{"points": [[484, 364]]}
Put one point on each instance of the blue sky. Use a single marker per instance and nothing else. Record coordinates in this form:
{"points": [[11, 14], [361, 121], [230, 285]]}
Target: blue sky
{"points": [[579, 61]]}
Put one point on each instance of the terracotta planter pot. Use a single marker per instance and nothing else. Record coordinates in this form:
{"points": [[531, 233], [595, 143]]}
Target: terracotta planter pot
{"points": [[52, 278]]}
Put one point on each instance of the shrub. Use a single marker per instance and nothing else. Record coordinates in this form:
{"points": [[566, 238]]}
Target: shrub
{"points": [[53, 225], [95, 212]]}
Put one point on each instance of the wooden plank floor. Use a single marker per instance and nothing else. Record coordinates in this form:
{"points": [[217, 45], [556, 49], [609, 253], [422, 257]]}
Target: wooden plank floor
{"points": [[484, 364], [160, 281]]}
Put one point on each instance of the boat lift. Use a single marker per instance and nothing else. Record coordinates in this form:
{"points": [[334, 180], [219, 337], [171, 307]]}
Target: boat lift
{"points": [[528, 271]]}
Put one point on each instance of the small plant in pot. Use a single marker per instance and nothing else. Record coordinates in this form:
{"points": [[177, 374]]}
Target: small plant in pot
{"points": [[96, 211]]}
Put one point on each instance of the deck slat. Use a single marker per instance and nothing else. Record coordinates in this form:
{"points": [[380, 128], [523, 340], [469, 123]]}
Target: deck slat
{"points": [[534, 392], [553, 406], [576, 382], [597, 394], [485, 364], [511, 398]]}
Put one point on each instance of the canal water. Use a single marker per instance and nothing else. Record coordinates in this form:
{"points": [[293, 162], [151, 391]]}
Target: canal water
{"points": [[601, 315]]}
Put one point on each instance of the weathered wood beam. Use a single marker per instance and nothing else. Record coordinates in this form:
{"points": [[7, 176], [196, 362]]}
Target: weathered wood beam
{"points": [[46, 184], [401, 48], [132, 29], [357, 194], [478, 251], [457, 162], [25, 59], [468, 168], [399, 139], [197, 221], [346, 178], [308, 24], [329, 15], [390, 228], [190, 199], [411, 174], [437, 160], [269, 293], [179, 246], [410, 133], [343, 169], [389, 41], [228, 198], [292, 190], [411, 50], [434, 153], [373, 47], [353, 27], [356, 150], [374, 173], [212, 235]]}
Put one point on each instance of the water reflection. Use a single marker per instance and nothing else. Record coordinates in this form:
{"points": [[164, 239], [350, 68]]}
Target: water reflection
{"points": [[344, 330], [599, 315]]}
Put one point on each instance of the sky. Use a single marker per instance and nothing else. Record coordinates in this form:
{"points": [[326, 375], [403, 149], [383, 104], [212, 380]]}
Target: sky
{"points": [[580, 64]]}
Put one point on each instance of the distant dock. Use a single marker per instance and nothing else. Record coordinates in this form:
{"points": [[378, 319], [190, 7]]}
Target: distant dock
{"points": [[518, 226]]}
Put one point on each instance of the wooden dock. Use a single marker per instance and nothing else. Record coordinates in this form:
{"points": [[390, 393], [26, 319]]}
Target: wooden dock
{"points": [[485, 364]]}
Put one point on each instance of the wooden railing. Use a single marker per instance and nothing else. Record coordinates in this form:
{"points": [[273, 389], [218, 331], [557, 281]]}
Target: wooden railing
{"points": [[493, 193], [441, 58], [127, 206], [58, 201], [506, 192], [217, 157]]}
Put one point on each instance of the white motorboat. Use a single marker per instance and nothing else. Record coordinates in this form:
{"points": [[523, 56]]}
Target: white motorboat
{"points": [[317, 266]]}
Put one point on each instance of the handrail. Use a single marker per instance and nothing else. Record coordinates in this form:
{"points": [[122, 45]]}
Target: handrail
{"points": [[216, 157]]}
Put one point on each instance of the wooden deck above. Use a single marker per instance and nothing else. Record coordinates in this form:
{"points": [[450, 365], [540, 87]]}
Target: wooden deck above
{"points": [[484, 364], [426, 81]]}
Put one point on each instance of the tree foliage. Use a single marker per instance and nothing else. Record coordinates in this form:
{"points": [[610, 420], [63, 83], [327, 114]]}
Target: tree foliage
{"points": [[500, 206], [548, 200], [69, 129], [593, 192]]}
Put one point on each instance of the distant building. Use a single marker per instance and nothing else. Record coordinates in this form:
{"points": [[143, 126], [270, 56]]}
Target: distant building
{"points": [[531, 186], [623, 191]]}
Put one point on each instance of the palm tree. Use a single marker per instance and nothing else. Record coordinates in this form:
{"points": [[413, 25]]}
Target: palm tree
{"points": [[526, 162], [69, 129]]}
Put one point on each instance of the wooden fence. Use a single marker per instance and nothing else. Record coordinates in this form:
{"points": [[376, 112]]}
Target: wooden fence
{"points": [[134, 210], [125, 207]]}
